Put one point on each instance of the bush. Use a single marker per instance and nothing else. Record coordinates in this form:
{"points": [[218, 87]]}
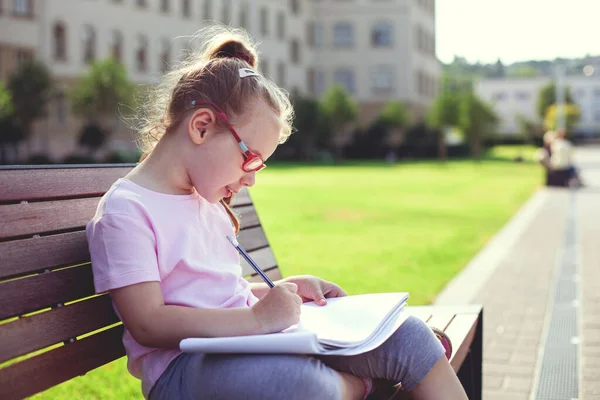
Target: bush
{"points": [[123, 156], [39, 159], [78, 159]]}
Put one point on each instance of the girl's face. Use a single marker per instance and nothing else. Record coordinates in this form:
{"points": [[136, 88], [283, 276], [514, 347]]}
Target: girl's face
{"points": [[215, 168]]}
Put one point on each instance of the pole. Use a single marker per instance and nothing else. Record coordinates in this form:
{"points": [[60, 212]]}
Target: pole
{"points": [[560, 98]]}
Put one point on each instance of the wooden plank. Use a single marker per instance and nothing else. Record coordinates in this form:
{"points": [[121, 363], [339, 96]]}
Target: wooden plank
{"points": [[423, 313], [39, 331], [253, 238], [21, 257], [274, 274], [461, 332], [19, 220], [263, 257], [440, 319], [40, 291], [58, 182], [247, 216], [48, 369]]}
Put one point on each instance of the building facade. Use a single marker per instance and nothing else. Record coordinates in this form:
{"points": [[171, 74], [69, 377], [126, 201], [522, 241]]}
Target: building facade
{"points": [[512, 97], [377, 49]]}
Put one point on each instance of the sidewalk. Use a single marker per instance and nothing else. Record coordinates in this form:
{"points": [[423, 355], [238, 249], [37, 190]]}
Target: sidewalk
{"points": [[539, 282]]}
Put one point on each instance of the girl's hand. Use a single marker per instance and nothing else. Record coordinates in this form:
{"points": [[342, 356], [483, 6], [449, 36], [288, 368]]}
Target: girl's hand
{"points": [[311, 288], [278, 309]]}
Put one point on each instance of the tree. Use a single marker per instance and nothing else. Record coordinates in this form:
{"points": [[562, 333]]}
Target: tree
{"points": [[523, 71], [476, 119], [572, 114], [30, 89], [311, 127], [97, 96], [547, 97], [341, 110], [394, 116], [443, 113], [9, 134]]}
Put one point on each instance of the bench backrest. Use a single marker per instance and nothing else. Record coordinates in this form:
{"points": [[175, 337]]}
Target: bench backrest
{"points": [[53, 327]]}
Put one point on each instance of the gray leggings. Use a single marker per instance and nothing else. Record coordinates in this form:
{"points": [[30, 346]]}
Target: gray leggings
{"points": [[406, 357]]}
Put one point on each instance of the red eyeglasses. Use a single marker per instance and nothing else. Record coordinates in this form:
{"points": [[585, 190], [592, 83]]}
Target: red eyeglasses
{"points": [[252, 161]]}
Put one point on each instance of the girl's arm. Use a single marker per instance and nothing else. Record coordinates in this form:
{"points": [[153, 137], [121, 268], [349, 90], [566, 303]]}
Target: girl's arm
{"points": [[152, 323]]}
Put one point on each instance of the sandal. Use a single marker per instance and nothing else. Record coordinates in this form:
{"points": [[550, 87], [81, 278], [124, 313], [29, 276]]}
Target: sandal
{"points": [[444, 340]]}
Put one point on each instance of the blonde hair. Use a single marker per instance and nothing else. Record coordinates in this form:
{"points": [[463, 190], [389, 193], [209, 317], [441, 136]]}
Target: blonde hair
{"points": [[211, 73]]}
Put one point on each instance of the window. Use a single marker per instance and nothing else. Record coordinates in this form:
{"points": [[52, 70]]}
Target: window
{"points": [[498, 96], [60, 42], [597, 92], [597, 115], [264, 67], [281, 73], [23, 8], [281, 25], [382, 79], [295, 51], [522, 95], [141, 3], [343, 35], [165, 55], [264, 21], [295, 6], [207, 9], [226, 11], [165, 5], [141, 54], [116, 45], [345, 77], [381, 34], [186, 8], [316, 81], [89, 44], [316, 34]]}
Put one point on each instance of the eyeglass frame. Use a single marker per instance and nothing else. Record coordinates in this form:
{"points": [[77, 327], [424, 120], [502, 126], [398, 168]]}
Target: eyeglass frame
{"points": [[249, 156]]}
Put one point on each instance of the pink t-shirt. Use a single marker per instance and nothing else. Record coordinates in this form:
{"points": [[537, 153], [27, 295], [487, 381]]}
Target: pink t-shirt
{"points": [[139, 235]]}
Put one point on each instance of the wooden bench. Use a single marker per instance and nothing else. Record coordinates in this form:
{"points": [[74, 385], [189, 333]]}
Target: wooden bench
{"points": [[54, 328]]}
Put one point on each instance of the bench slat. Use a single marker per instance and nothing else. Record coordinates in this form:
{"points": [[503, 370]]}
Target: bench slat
{"points": [[48, 369], [461, 332], [39, 331], [35, 292], [253, 238], [247, 216], [50, 183], [441, 319], [20, 220], [263, 257], [43, 290], [274, 274], [20, 257]]}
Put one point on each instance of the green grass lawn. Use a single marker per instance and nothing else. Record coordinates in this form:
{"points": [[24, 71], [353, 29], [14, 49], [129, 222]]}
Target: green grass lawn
{"points": [[369, 227]]}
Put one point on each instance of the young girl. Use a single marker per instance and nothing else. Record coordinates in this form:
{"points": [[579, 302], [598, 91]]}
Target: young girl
{"points": [[158, 245]]}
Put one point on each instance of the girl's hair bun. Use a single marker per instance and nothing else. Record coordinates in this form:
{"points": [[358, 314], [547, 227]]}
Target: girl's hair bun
{"points": [[233, 48]]}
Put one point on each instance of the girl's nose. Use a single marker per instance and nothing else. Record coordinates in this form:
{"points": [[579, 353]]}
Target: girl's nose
{"points": [[248, 179]]}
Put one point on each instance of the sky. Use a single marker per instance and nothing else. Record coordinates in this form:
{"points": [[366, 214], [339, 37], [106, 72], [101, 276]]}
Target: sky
{"points": [[517, 30]]}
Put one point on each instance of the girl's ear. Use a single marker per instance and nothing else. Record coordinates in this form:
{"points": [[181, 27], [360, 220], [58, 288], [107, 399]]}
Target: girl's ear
{"points": [[201, 121]]}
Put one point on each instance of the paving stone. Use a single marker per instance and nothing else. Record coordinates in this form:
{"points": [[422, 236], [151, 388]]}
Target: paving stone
{"points": [[518, 384]]}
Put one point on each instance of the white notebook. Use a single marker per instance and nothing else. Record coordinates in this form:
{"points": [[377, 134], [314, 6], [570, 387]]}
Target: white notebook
{"points": [[345, 326]]}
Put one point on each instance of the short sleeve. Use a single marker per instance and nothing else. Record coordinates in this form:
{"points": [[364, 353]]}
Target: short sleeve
{"points": [[122, 250]]}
